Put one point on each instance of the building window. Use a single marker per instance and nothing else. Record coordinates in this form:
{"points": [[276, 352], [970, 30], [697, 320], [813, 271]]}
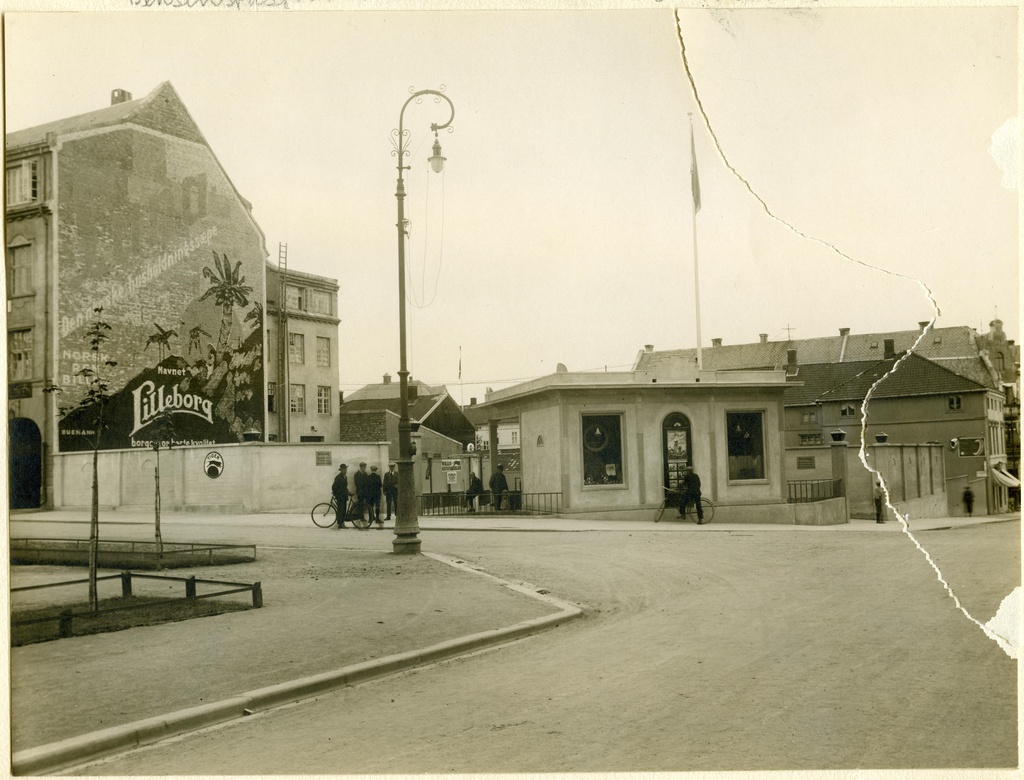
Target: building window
{"points": [[298, 399], [1000, 362], [22, 184], [805, 463], [323, 351], [810, 439], [602, 449], [320, 302], [809, 417], [293, 297], [19, 355], [323, 400], [955, 403], [515, 437], [746, 445], [848, 410], [296, 348], [271, 393], [19, 279]]}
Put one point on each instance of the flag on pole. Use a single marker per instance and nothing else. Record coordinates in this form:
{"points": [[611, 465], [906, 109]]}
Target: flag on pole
{"points": [[694, 181]]}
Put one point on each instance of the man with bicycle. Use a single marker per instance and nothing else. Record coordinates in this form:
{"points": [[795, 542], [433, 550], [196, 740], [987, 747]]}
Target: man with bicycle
{"points": [[339, 489], [689, 490]]}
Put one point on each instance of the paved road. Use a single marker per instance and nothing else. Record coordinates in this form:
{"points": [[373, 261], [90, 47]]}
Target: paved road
{"points": [[730, 649]]}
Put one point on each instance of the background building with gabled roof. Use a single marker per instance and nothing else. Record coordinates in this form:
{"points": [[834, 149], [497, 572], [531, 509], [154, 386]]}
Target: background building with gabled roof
{"points": [[958, 388], [128, 209]]}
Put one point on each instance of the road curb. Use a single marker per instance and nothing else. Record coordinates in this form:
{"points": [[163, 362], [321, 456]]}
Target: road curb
{"points": [[46, 759]]}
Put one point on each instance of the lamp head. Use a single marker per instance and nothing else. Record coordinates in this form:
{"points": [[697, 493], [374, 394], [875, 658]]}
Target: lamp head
{"points": [[436, 160]]}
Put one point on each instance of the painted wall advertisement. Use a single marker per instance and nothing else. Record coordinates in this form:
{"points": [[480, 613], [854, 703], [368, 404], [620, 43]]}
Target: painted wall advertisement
{"points": [[177, 266]]}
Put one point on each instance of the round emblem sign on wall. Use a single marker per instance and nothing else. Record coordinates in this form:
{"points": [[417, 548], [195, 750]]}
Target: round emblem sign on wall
{"points": [[213, 465]]}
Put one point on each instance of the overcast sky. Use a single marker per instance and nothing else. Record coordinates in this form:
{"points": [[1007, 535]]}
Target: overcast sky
{"points": [[561, 229]]}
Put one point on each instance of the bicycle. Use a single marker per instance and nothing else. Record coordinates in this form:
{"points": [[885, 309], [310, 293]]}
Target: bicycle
{"points": [[325, 514], [672, 500]]}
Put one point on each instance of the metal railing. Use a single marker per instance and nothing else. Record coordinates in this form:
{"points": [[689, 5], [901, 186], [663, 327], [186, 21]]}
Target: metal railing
{"points": [[65, 618], [512, 502], [802, 491]]}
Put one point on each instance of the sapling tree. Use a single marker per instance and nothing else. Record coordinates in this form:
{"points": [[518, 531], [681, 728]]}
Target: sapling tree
{"points": [[90, 411], [162, 432]]}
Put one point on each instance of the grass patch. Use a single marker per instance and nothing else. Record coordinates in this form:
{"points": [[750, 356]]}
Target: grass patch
{"points": [[116, 614]]}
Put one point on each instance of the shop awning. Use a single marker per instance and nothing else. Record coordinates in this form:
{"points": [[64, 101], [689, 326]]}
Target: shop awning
{"points": [[1003, 478]]}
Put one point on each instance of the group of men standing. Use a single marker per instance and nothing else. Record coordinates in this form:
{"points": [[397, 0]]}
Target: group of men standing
{"points": [[369, 486]]}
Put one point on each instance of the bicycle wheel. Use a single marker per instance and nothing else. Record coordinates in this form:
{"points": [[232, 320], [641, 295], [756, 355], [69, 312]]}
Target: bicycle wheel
{"points": [[709, 510], [361, 516], [661, 511], [324, 515]]}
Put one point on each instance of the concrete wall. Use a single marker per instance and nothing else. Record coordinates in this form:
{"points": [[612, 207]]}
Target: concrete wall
{"points": [[913, 474], [255, 478]]}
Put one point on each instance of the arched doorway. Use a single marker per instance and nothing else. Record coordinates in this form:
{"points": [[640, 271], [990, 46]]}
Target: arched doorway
{"points": [[26, 463], [676, 449]]}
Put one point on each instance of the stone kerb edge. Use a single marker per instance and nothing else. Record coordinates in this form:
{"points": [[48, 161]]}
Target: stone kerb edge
{"points": [[75, 750]]}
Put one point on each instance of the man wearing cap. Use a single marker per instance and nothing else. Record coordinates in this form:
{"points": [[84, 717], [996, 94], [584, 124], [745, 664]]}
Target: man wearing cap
{"points": [[499, 487], [373, 486], [391, 490], [339, 490]]}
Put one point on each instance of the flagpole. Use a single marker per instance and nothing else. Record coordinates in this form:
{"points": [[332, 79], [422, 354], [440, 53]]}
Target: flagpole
{"points": [[695, 186]]}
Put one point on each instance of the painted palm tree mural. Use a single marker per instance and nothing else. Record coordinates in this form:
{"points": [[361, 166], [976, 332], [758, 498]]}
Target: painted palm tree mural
{"points": [[228, 289], [162, 339], [195, 338]]}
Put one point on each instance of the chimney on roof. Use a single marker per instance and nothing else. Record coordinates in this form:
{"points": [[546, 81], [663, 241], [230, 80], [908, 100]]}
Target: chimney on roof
{"points": [[387, 379], [844, 332], [923, 325], [648, 348], [716, 342], [790, 362], [764, 337], [414, 392], [890, 349], [119, 96], [472, 401]]}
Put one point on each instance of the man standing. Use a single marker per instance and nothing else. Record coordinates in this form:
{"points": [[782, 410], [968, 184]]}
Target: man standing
{"points": [[476, 487], [878, 495], [969, 500], [373, 486], [360, 480], [339, 489], [499, 485], [391, 490], [690, 491]]}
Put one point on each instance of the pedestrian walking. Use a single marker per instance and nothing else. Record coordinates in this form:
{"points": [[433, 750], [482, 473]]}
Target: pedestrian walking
{"points": [[878, 495], [373, 488], [476, 487], [690, 491], [339, 489], [499, 486], [391, 491], [969, 500]]}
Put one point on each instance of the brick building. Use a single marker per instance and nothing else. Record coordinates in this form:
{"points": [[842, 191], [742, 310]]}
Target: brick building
{"points": [[128, 209], [958, 388]]}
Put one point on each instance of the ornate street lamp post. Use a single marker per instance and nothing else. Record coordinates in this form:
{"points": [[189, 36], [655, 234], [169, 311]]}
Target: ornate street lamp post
{"points": [[407, 527]]}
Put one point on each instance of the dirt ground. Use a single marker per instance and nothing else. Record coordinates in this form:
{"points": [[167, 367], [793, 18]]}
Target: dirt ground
{"points": [[714, 650]]}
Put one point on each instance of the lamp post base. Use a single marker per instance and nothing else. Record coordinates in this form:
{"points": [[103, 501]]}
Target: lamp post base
{"points": [[406, 544]]}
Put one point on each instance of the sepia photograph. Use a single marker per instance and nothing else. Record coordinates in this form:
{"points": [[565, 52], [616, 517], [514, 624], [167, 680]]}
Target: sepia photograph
{"points": [[661, 365]]}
